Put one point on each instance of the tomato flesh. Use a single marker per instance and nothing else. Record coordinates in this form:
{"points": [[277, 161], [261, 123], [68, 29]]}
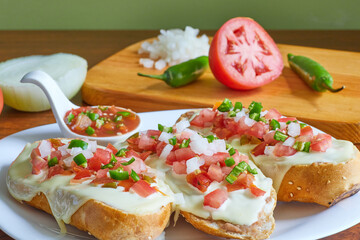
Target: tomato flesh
{"points": [[243, 56]]}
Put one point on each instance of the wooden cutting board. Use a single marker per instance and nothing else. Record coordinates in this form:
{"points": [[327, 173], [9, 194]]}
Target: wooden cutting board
{"points": [[114, 81]]}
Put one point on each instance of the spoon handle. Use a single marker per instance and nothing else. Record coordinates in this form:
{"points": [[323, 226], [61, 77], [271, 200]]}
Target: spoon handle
{"points": [[57, 99]]}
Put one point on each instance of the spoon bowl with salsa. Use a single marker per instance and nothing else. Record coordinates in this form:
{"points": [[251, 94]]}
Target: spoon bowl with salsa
{"points": [[105, 124]]}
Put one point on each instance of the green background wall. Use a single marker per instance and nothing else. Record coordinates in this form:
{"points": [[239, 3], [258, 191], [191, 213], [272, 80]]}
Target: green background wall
{"points": [[155, 14]]}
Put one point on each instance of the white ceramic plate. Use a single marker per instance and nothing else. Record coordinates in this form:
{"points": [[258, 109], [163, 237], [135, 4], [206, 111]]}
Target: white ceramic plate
{"points": [[293, 220]]}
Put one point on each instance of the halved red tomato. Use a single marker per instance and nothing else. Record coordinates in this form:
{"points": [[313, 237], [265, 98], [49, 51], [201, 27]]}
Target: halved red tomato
{"points": [[243, 56]]}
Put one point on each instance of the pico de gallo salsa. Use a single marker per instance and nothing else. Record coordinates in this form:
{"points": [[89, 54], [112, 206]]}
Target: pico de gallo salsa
{"points": [[101, 121], [202, 159], [273, 133], [100, 167]]}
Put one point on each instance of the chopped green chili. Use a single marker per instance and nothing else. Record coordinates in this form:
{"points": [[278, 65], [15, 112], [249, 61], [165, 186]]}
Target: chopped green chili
{"points": [[225, 106], [128, 162], [274, 124], [70, 117], [78, 143], [279, 136], [185, 143], [90, 131], [163, 128], [52, 162], [134, 175], [121, 152], [229, 162], [119, 174], [80, 160]]}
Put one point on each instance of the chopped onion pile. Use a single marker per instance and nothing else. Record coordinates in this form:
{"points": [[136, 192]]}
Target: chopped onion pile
{"points": [[67, 70], [173, 47]]}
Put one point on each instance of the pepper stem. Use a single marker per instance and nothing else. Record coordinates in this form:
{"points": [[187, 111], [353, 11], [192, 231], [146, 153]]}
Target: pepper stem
{"points": [[333, 90], [161, 77]]}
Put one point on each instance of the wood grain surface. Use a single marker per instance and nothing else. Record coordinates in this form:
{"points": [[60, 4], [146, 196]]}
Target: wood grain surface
{"points": [[115, 80], [98, 45]]}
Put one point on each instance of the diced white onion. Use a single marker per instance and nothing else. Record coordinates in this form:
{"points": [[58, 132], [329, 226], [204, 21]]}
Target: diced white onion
{"points": [[67, 70], [239, 115], [289, 142], [164, 136], [146, 62], [68, 161], [92, 145], [199, 144], [44, 148], [193, 164], [293, 129], [182, 125], [160, 64], [218, 145], [263, 113], [249, 122], [174, 46], [282, 125], [166, 151], [63, 149], [268, 150]]}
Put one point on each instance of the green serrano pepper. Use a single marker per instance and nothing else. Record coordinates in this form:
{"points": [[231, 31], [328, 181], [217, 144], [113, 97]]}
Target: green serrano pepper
{"points": [[312, 73], [183, 73]]}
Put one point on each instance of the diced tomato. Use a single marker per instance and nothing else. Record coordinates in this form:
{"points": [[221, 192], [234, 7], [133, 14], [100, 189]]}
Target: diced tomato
{"points": [[109, 126], [56, 154], [219, 121], [160, 147], [83, 174], [257, 130], [56, 142], [280, 150], [171, 158], [184, 135], [215, 198], [38, 164], [204, 119], [226, 170], [321, 142], [244, 181], [307, 131], [82, 122], [231, 125], [147, 143], [103, 155], [102, 173], [111, 148], [138, 166], [103, 180], [155, 133], [304, 138], [126, 184], [55, 170], [94, 163], [184, 154], [269, 138], [145, 155], [242, 126], [132, 153], [134, 143], [143, 189], [239, 157], [215, 173], [272, 114], [201, 181], [256, 191], [179, 167], [223, 133], [259, 149], [286, 119]]}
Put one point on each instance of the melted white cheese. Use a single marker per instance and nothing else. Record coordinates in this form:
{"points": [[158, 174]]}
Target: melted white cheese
{"points": [[240, 208], [276, 167], [66, 199]]}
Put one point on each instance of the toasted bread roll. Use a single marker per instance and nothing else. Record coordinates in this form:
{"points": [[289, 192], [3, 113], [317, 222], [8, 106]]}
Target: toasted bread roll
{"points": [[106, 222], [323, 177], [89, 196], [323, 183], [261, 229]]}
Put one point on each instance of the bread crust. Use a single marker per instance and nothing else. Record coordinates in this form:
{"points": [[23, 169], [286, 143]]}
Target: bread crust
{"points": [[322, 183], [261, 229], [105, 222]]}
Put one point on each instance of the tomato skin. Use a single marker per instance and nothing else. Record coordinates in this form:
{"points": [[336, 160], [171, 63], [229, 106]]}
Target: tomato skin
{"points": [[223, 49]]}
